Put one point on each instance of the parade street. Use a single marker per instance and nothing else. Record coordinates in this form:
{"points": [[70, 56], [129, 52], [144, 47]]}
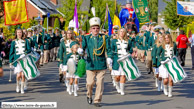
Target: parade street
{"points": [[140, 94]]}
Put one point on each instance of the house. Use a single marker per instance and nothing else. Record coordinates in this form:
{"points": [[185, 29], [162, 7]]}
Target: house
{"points": [[42, 7]]}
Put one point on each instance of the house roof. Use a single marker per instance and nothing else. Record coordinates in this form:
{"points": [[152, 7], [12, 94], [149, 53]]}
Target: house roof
{"points": [[45, 6]]}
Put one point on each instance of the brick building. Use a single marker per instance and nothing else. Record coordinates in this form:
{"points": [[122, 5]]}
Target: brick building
{"points": [[43, 7]]}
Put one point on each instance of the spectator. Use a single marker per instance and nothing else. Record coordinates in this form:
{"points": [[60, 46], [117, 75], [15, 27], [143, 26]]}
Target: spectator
{"points": [[182, 42], [191, 40]]}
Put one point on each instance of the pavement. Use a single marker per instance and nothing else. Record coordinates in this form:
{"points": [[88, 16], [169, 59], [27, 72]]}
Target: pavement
{"points": [[140, 94]]}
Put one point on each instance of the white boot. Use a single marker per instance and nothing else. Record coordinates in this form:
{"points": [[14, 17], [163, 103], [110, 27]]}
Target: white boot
{"points": [[70, 89], [22, 87], [122, 85], [169, 91], [17, 86], [159, 85], [162, 86], [75, 90], [113, 81], [156, 82], [117, 87], [67, 85], [25, 85], [165, 90]]}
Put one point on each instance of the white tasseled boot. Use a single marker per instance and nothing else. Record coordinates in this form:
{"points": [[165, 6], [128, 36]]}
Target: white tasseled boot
{"points": [[156, 82], [165, 90], [25, 85], [17, 86], [117, 87], [70, 89], [122, 85], [169, 91], [159, 85], [22, 87], [75, 90]]}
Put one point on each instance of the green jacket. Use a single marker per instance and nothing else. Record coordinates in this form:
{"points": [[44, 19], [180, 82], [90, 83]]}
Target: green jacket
{"points": [[115, 47], [39, 43], [155, 60], [137, 41], [91, 44], [56, 40], [14, 52], [142, 43], [163, 54]]}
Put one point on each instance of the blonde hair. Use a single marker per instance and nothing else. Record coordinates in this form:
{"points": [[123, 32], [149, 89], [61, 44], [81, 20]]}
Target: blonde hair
{"points": [[157, 42], [125, 34], [171, 42], [72, 37]]}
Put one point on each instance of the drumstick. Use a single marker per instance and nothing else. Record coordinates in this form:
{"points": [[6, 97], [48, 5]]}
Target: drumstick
{"points": [[10, 75]]}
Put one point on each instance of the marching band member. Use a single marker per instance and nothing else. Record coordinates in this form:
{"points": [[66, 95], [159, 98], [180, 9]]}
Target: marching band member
{"points": [[132, 38], [73, 56], [151, 40], [64, 51], [156, 62], [47, 40], [51, 49], [96, 44], [41, 46], [142, 46], [120, 47], [165, 52], [19, 47], [56, 43]]}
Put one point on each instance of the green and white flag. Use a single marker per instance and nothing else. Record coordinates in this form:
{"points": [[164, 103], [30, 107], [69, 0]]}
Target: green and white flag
{"points": [[175, 70], [129, 67], [141, 10], [29, 67]]}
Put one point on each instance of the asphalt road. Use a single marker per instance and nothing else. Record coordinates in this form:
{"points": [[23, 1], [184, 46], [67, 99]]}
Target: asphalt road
{"points": [[140, 94]]}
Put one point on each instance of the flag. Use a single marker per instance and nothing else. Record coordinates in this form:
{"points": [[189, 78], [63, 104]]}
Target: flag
{"points": [[185, 8], [15, 12], [175, 70], [75, 20], [29, 67], [109, 24], [129, 67], [116, 18], [141, 11]]}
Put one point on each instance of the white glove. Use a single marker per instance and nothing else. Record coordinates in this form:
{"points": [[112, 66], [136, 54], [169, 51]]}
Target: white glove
{"points": [[61, 66], [80, 51], [23, 55], [34, 49], [11, 66], [64, 68], [41, 53], [109, 61]]}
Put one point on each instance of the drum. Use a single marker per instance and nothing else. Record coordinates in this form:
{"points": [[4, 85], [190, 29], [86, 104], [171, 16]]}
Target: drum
{"points": [[174, 69], [29, 67], [129, 67]]}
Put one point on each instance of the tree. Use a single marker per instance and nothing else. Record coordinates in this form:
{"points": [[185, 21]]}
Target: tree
{"points": [[68, 10], [56, 23], [153, 8], [172, 20], [45, 23], [1, 9]]}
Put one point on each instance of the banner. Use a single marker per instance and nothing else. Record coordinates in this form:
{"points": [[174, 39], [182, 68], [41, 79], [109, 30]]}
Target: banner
{"points": [[15, 12], [185, 8], [141, 10]]}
